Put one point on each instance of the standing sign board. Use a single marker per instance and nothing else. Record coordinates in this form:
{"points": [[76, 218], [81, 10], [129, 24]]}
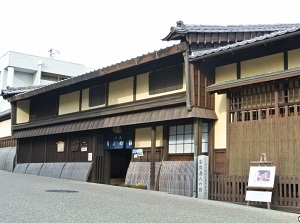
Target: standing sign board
{"points": [[203, 176], [260, 184], [261, 176]]}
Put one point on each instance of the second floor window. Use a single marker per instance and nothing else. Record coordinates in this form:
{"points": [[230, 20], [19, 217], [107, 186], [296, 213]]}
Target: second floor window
{"points": [[44, 107], [97, 95], [165, 80]]}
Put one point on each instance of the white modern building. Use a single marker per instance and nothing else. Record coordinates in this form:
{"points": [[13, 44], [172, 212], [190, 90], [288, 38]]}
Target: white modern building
{"points": [[20, 70]]}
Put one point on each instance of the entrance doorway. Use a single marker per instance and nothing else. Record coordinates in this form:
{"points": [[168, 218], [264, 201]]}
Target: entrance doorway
{"points": [[119, 162]]}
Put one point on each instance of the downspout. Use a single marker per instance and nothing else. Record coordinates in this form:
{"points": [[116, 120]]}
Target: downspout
{"points": [[187, 80]]}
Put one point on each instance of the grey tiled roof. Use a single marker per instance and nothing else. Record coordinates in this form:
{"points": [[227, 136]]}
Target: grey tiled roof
{"points": [[10, 91], [182, 28], [200, 53], [5, 113], [234, 28]]}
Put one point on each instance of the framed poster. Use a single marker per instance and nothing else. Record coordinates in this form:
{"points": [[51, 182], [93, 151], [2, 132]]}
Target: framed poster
{"points": [[261, 176]]}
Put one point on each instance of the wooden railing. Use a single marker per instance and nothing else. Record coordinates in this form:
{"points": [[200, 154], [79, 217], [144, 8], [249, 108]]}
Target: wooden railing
{"points": [[285, 194]]}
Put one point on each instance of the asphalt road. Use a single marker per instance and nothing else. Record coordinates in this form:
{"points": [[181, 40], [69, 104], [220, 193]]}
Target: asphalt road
{"points": [[27, 198]]}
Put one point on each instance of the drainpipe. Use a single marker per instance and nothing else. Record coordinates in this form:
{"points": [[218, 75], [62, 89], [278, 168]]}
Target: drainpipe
{"points": [[187, 80]]}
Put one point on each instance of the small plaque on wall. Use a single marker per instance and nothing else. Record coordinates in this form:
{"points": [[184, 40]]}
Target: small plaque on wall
{"points": [[75, 145], [90, 156], [83, 147], [60, 146]]}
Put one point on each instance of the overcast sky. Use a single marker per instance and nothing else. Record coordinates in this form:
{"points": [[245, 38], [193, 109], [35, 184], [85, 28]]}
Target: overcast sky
{"points": [[101, 33]]}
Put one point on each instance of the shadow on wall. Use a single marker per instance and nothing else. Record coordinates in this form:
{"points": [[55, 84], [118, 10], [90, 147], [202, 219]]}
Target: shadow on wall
{"points": [[7, 158]]}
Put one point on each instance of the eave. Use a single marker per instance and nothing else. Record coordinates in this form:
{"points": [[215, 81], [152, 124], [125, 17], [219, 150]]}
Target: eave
{"points": [[231, 48], [227, 86], [5, 115], [142, 117], [144, 59]]}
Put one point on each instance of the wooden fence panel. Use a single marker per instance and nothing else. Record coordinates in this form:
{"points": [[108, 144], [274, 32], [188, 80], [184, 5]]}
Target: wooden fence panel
{"points": [[233, 189], [7, 142]]}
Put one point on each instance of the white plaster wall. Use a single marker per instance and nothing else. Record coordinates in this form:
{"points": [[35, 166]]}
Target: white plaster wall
{"points": [[23, 108], [5, 128], [143, 137], [262, 65], [120, 91], [294, 58], [220, 124], [69, 103]]}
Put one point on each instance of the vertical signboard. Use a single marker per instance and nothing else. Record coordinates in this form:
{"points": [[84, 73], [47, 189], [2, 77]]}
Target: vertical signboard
{"points": [[203, 177]]}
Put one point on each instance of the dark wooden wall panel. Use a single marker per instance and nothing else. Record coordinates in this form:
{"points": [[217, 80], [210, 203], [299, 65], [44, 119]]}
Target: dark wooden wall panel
{"points": [[219, 162], [38, 150], [7, 142], [201, 80], [51, 152], [24, 151], [78, 155]]}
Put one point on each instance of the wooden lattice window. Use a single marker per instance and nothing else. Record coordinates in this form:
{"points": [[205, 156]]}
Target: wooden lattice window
{"points": [[43, 107], [97, 95], [165, 80]]}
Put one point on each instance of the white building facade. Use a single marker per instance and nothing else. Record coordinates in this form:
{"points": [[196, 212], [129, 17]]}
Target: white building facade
{"points": [[20, 70]]}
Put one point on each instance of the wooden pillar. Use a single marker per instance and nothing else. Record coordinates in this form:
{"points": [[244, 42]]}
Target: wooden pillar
{"points": [[153, 148], [45, 149], [67, 147], [187, 80], [197, 136], [192, 86], [13, 114], [228, 133], [197, 150], [94, 151], [17, 150], [165, 142], [30, 151], [277, 141]]}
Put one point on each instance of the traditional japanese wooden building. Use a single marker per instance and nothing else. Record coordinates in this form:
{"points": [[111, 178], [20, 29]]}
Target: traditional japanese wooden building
{"points": [[229, 92], [257, 100]]}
